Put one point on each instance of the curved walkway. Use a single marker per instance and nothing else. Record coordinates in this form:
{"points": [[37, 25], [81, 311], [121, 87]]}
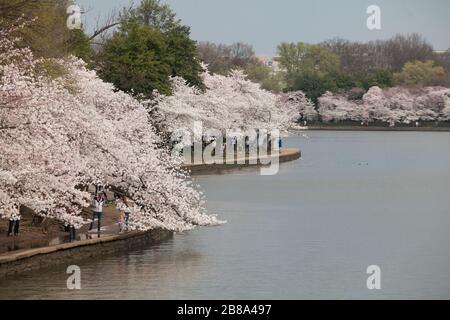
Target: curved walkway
{"points": [[286, 154]]}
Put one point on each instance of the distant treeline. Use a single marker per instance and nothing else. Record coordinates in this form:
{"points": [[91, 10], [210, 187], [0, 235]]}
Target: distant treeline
{"points": [[140, 47], [337, 65]]}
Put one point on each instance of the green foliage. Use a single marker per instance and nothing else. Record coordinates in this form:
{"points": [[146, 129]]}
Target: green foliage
{"points": [[313, 85], [312, 69], [47, 35], [343, 80], [380, 77], [263, 75], [182, 55], [149, 47], [340, 65], [421, 73], [79, 45], [154, 14], [302, 58], [134, 60]]}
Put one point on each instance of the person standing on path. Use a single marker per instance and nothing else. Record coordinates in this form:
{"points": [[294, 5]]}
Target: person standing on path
{"points": [[121, 223], [70, 228], [98, 203], [14, 222], [127, 211]]}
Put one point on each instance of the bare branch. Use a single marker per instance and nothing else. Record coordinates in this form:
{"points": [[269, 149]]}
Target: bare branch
{"points": [[103, 29]]}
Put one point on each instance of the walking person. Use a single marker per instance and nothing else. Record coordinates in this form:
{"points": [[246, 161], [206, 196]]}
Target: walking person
{"points": [[70, 228], [72, 232], [13, 227], [126, 211], [98, 203], [121, 222], [14, 222]]}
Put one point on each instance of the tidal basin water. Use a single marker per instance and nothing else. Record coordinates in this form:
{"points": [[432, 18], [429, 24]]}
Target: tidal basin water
{"points": [[355, 199]]}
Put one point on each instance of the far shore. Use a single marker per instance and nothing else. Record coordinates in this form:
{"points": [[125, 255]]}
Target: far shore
{"points": [[335, 127]]}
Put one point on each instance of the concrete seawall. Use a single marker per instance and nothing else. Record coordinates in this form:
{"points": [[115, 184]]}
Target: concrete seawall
{"points": [[70, 253], [286, 155]]}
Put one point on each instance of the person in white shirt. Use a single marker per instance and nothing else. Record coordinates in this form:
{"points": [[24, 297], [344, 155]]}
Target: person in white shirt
{"points": [[14, 222], [97, 211], [127, 212]]}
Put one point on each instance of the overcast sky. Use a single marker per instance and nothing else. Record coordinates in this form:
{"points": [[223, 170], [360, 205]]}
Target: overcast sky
{"points": [[266, 23]]}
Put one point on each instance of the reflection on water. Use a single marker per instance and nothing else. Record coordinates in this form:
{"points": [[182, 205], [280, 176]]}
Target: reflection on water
{"points": [[355, 199], [161, 268]]}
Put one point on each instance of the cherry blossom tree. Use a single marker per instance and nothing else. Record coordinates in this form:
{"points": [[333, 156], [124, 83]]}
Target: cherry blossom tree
{"points": [[405, 105], [377, 106], [391, 105], [60, 134], [229, 102], [446, 110], [299, 101], [338, 108]]}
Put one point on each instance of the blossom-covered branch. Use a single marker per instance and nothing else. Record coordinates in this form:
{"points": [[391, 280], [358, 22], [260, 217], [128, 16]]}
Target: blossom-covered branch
{"points": [[73, 130]]}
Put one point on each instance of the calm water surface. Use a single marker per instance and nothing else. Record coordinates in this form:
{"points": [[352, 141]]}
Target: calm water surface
{"points": [[355, 199]]}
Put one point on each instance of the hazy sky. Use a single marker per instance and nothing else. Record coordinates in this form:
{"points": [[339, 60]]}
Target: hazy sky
{"points": [[266, 23]]}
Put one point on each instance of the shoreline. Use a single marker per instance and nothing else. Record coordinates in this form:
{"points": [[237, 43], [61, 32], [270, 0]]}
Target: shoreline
{"points": [[27, 260], [376, 128], [286, 155], [95, 246]]}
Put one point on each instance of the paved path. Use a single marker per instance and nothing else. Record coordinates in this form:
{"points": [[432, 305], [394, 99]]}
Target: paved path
{"points": [[286, 154]]}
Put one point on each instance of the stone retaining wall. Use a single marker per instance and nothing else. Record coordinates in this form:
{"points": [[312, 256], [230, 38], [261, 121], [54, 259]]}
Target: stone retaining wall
{"points": [[70, 253]]}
